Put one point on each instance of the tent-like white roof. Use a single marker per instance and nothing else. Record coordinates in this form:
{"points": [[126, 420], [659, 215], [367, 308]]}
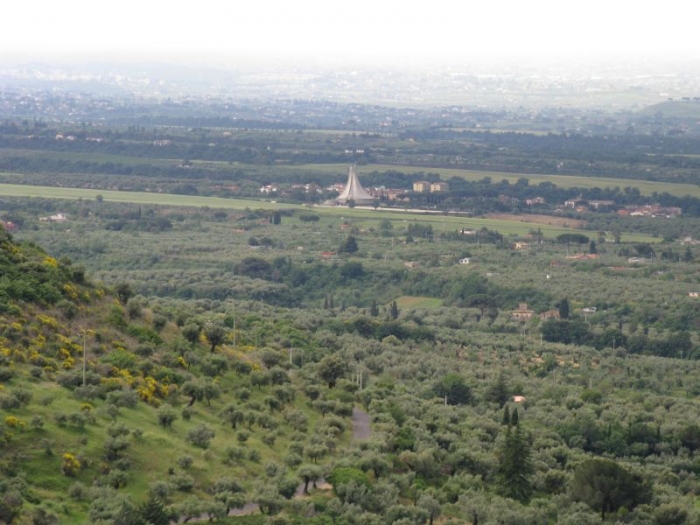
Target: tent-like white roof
{"points": [[354, 191]]}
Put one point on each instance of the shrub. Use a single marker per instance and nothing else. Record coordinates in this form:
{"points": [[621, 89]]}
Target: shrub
{"points": [[185, 462], [233, 454], [201, 436], [70, 465], [125, 397], [183, 482], [166, 416], [344, 475], [77, 491]]}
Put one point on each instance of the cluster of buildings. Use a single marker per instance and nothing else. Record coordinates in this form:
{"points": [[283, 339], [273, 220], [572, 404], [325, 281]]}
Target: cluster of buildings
{"points": [[430, 187], [353, 191], [523, 313], [580, 204], [650, 210]]}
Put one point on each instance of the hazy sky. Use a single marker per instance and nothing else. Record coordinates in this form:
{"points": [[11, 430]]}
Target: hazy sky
{"points": [[363, 30]]}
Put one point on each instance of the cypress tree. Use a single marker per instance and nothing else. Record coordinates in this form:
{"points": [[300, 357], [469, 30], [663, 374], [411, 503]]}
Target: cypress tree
{"points": [[506, 416], [514, 419], [515, 465], [394, 310], [564, 308]]}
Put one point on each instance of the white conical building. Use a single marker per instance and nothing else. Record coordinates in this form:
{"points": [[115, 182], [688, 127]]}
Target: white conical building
{"points": [[354, 191]]}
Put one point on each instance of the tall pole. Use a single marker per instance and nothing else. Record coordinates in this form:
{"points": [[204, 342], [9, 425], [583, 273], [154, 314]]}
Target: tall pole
{"points": [[84, 358]]}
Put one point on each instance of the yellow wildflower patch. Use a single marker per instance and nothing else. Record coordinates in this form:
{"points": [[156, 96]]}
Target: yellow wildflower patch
{"points": [[48, 321]]}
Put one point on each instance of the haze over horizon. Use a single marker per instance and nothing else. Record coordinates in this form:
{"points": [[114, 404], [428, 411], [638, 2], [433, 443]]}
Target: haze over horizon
{"points": [[367, 33]]}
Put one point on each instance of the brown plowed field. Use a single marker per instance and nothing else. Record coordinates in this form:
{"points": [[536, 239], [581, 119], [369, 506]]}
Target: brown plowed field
{"points": [[538, 219]]}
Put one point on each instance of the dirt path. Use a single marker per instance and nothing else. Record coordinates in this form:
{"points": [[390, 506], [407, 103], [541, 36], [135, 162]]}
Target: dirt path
{"points": [[361, 428]]}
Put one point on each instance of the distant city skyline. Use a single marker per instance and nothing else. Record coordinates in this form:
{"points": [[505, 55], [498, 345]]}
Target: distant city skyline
{"points": [[358, 32]]}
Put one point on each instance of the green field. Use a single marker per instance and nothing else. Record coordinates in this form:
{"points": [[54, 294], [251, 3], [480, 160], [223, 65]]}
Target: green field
{"points": [[408, 301], [166, 199], [75, 156], [368, 218]]}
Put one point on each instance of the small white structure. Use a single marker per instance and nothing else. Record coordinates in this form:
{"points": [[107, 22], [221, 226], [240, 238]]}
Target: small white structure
{"points": [[59, 217], [519, 399], [465, 260]]}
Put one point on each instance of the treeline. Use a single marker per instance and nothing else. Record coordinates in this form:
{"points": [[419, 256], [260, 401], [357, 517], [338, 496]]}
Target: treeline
{"points": [[620, 156], [577, 331]]}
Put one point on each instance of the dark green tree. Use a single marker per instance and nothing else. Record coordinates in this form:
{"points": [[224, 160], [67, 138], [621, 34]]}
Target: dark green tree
{"points": [[514, 418], [191, 332], [515, 465], [454, 389], [605, 486], [215, 333], [480, 301], [200, 436], [232, 415], [153, 512], [499, 392], [124, 292], [689, 437], [394, 310], [564, 308], [166, 416], [374, 310], [194, 390], [331, 368], [688, 254], [431, 506], [349, 245], [506, 417], [568, 238]]}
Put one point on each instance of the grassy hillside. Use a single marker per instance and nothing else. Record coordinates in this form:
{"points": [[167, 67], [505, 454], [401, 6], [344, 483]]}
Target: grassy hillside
{"points": [[105, 405]]}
